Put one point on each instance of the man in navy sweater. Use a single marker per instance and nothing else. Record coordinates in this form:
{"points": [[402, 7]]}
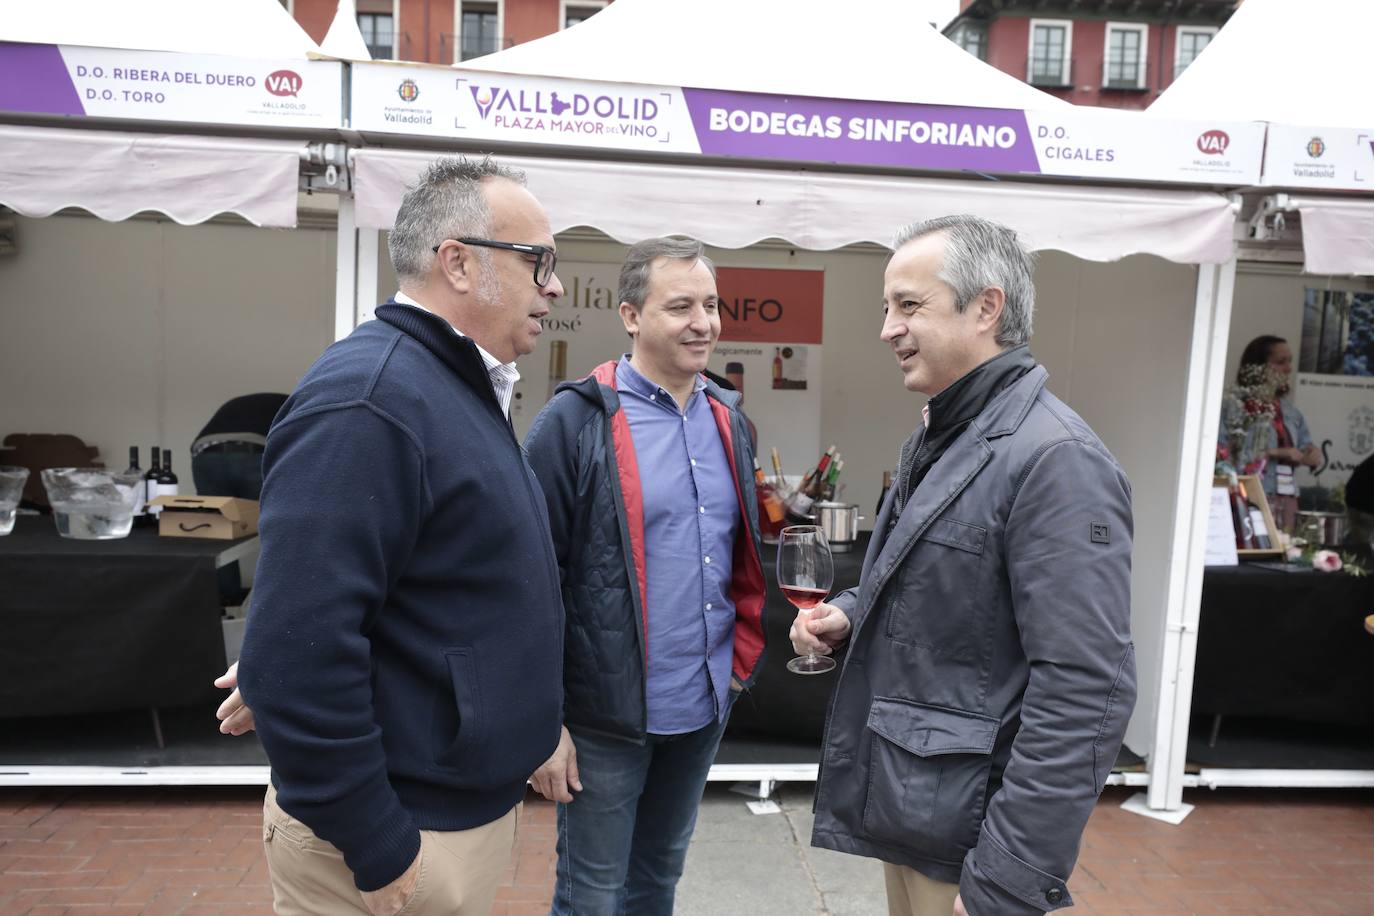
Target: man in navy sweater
{"points": [[403, 659]]}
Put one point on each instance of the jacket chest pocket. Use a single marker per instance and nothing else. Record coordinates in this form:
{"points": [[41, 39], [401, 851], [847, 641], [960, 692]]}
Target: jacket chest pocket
{"points": [[933, 601], [927, 777]]}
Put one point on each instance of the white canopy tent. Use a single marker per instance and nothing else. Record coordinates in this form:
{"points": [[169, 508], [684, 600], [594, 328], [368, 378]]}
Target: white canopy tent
{"points": [[154, 287], [116, 175], [1262, 42], [228, 27], [734, 208], [1254, 69], [187, 176], [1245, 72], [773, 47], [883, 51], [344, 40]]}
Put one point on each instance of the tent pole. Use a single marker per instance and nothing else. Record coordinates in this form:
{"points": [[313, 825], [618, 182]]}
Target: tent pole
{"points": [[366, 301], [1202, 412], [346, 270]]}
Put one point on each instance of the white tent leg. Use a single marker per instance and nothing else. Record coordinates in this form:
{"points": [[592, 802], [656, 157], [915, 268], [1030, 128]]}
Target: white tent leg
{"points": [[1202, 412], [366, 301], [346, 270]]}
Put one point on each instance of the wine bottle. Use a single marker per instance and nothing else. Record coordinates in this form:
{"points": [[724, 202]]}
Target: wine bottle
{"points": [[1261, 530], [1240, 516], [167, 483], [812, 480], [133, 468], [772, 506], [778, 482], [831, 476], [777, 367], [150, 482], [887, 485]]}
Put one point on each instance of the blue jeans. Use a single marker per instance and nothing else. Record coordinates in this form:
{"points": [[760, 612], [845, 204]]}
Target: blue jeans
{"points": [[623, 839]]}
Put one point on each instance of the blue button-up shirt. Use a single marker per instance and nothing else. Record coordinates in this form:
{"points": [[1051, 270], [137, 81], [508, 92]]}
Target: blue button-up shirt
{"points": [[691, 517]]}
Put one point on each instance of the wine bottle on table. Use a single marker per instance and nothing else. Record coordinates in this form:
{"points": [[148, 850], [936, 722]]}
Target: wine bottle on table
{"points": [[150, 483], [167, 483], [831, 477], [819, 472], [771, 509], [1261, 530], [133, 468], [1240, 516]]}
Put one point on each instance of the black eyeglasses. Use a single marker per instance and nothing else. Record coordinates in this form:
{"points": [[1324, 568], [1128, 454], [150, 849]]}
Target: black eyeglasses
{"points": [[544, 261]]}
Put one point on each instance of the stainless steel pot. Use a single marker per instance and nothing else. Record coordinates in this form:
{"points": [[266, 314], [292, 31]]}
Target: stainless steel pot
{"points": [[840, 522], [1325, 528]]}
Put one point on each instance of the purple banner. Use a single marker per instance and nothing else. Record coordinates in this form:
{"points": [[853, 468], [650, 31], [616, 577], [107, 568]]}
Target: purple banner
{"points": [[34, 79], [906, 136]]}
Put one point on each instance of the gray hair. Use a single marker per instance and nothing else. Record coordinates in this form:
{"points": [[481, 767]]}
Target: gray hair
{"points": [[639, 261], [978, 254], [446, 203]]}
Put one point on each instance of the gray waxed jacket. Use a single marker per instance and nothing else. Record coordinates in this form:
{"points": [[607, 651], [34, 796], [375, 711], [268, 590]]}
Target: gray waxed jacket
{"points": [[990, 673]]}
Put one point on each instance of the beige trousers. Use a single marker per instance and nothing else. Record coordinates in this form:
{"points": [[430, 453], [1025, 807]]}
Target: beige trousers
{"points": [[459, 870], [910, 893]]}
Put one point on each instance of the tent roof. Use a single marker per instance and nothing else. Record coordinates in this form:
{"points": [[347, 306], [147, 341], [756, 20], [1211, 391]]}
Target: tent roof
{"points": [[238, 28], [115, 175], [880, 50], [736, 207], [344, 40], [1284, 62]]}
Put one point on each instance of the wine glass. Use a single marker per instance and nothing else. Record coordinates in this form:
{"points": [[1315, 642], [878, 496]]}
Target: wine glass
{"points": [[805, 573]]}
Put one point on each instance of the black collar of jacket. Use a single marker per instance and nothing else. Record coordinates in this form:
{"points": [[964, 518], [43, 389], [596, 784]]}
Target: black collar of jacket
{"points": [[1006, 412], [457, 352], [967, 397]]}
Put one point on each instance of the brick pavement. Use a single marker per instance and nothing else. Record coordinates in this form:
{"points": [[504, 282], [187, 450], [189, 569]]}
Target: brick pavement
{"points": [[198, 851]]}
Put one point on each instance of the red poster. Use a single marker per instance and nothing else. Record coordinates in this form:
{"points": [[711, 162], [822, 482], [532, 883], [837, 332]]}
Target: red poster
{"points": [[767, 305]]}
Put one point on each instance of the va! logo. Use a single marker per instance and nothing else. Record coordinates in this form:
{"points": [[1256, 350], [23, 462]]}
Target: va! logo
{"points": [[1214, 142], [283, 82], [408, 91], [1316, 147]]}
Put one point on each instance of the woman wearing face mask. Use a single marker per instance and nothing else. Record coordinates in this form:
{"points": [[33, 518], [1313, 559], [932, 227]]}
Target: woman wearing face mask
{"points": [[1289, 444]]}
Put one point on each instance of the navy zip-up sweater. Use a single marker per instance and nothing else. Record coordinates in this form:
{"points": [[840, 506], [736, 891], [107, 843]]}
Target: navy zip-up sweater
{"points": [[403, 657]]}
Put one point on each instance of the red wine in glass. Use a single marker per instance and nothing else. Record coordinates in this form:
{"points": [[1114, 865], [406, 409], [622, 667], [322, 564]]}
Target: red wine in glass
{"points": [[804, 598], [806, 571]]}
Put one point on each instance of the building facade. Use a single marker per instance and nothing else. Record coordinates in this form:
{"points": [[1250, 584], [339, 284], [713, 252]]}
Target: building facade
{"points": [[445, 31], [1112, 53]]}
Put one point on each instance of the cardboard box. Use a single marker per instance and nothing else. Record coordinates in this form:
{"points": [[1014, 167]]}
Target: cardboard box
{"points": [[224, 518]]}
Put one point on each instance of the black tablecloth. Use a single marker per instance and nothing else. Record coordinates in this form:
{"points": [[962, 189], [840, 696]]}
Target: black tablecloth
{"points": [[1286, 645], [87, 626], [783, 704]]}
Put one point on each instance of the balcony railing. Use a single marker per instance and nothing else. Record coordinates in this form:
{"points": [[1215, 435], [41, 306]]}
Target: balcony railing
{"points": [[1049, 73], [470, 46]]}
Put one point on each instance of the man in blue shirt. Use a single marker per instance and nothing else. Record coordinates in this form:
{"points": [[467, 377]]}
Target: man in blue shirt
{"points": [[646, 467]]}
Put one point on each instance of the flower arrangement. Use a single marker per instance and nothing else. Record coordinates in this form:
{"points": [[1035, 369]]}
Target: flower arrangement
{"points": [[1301, 553], [1249, 407]]}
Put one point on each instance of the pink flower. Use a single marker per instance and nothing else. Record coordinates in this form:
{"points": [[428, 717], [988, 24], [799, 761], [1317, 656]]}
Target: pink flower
{"points": [[1326, 561], [1294, 553]]}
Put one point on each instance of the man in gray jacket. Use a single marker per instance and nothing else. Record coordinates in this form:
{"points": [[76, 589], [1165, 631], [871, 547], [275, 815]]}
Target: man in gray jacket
{"points": [[990, 672]]}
